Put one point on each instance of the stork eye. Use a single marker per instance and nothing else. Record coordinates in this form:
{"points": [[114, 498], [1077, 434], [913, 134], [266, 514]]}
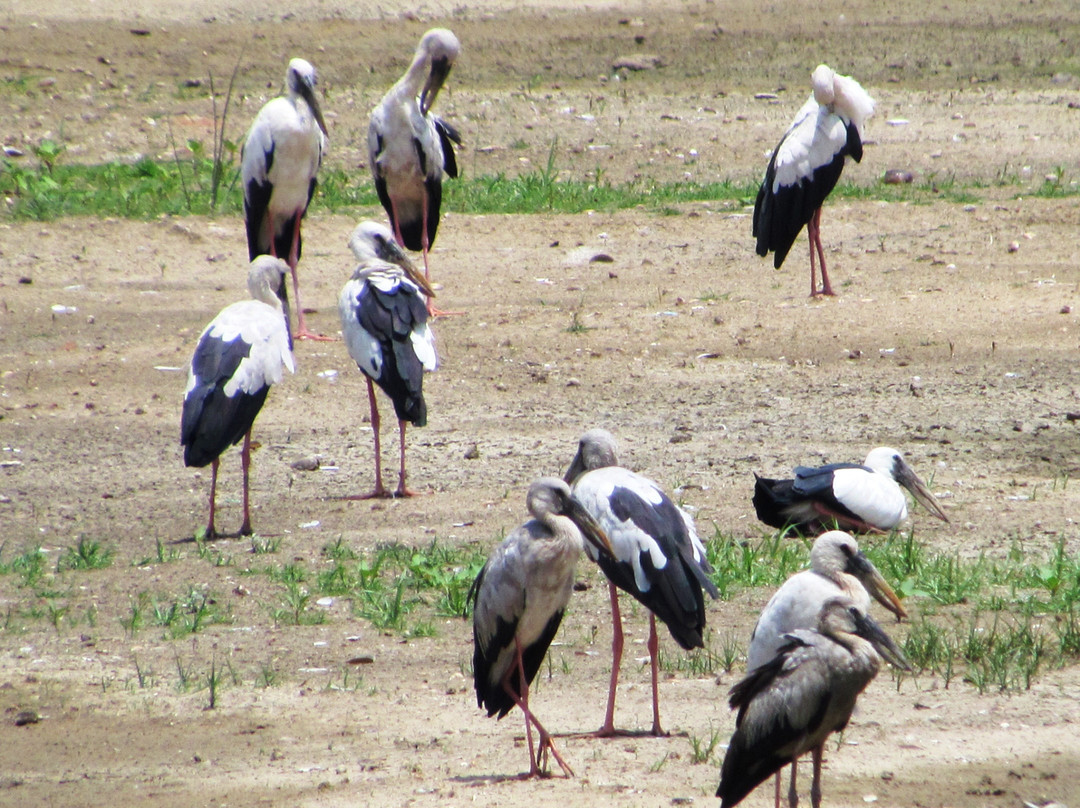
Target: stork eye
{"points": [[848, 550]]}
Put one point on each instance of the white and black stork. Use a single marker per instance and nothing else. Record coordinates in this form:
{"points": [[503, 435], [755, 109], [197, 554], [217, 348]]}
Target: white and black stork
{"points": [[239, 355], [410, 148], [805, 167], [278, 166], [519, 599], [863, 498], [385, 325], [658, 557], [791, 705]]}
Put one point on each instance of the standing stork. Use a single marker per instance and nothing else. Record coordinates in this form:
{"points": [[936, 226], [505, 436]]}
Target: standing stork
{"points": [[519, 599], [384, 322], [837, 569], [239, 355], [410, 148], [278, 166], [791, 705], [863, 498], [658, 557], [806, 165]]}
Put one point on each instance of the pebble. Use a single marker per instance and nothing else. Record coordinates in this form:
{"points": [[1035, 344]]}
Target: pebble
{"points": [[896, 176], [306, 464]]}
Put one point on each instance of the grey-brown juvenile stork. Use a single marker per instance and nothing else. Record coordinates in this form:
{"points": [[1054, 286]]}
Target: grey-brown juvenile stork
{"points": [[806, 165], [410, 148], [658, 557], [385, 325], [519, 599], [863, 498], [278, 166], [837, 568], [243, 351], [791, 705]]}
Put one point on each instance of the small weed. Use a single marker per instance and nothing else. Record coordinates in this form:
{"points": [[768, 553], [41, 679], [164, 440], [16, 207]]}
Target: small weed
{"points": [[87, 554], [702, 748]]}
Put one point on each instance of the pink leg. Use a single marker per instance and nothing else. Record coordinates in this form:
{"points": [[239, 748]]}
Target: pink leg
{"points": [[402, 491], [302, 331], [210, 532], [425, 246], [776, 789], [654, 664], [608, 729], [245, 464], [379, 492], [522, 701], [813, 232], [793, 794]]}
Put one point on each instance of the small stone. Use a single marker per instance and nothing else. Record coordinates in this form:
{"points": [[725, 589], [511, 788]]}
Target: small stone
{"points": [[644, 61], [601, 258], [572, 382], [363, 659], [306, 464], [26, 717], [472, 453], [896, 176], [1066, 309], [1014, 246]]}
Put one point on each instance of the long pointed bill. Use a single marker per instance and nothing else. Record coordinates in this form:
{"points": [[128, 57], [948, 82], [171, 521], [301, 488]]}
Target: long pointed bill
{"points": [[390, 251], [309, 95], [283, 295], [862, 568], [868, 629], [440, 69], [910, 480], [589, 528], [577, 467]]}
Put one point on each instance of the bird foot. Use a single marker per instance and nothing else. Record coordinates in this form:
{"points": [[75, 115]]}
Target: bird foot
{"points": [[434, 312], [826, 291], [311, 335], [548, 745]]}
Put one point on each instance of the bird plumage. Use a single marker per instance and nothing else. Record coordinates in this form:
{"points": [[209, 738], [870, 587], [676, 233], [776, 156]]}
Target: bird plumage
{"points": [[859, 497], [409, 148], [791, 704], [807, 163]]}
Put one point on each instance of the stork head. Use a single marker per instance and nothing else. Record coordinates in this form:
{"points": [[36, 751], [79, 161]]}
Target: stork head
{"points": [[301, 80], [550, 496], [840, 619], [889, 462], [596, 450], [440, 48], [842, 94], [838, 552], [372, 241]]}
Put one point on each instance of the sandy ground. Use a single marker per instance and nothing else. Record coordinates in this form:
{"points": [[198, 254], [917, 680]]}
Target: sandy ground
{"points": [[944, 342]]}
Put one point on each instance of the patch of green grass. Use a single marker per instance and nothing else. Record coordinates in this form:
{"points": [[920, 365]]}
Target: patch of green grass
{"points": [[766, 562], [87, 554]]}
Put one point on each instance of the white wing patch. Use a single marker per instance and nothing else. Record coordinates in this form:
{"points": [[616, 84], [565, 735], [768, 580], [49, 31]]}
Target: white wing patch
{"points": [[263, 328], [874, 497]]}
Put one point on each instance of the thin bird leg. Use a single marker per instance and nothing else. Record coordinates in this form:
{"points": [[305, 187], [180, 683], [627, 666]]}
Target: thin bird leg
{"points": [[815, 788], [793, 794], [396, 222], [654, 664], [210, 532], [402, 491], [379, 492], [425, 246], [522, 701], [608, 729], [813, 258], [302, 331], [776, 789], [245, 464], [815, 241]]}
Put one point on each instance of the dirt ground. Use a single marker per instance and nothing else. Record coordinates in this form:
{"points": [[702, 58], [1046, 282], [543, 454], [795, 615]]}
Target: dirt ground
{"points": [[954, 339]]}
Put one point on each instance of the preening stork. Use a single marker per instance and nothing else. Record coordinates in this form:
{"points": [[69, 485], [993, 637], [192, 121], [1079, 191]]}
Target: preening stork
{"points": [[384, 321], [239, 355], [863, 498], [519, 599], [791, 705], [278, 166], [805, 167], [837, 569], [658, 557], [410, 148]]}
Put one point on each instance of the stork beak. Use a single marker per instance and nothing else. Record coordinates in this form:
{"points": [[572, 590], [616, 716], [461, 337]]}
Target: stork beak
{"points": [[393, 253], [308, 94], [577, 467], [589, 528], [910, 480], [440, 69], [863, 569], [867, 628], [283, 295]]}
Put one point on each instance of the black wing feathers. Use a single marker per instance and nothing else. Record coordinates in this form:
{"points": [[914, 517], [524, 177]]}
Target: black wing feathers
{"points": [[390, 317]]}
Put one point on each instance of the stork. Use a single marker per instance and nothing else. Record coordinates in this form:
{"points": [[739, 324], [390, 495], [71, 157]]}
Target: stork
{"points": [[278, 166], [239, 355], [658, 557], [806, 165], [790, 705], [837, 568], [410, 148], [384, 322], [864, 498], [519, 599]]}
